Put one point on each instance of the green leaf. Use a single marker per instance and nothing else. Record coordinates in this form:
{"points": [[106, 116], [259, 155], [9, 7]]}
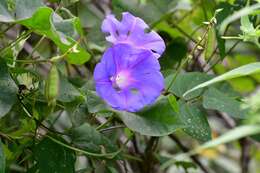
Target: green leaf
{"points": [[156, 120], [87, 15], [5, 15], [110, 169], [243, 85], [44, 21], [210, 44], [151, 11], [52, 157], [26, 126], [33, 169], [186, 81], [62, 32], [196, 123], [86, 137], [95, 103], [173, 102], [246, 25], [185, 165], [231, 135], [217, 100], [68, 92], [13, 51], [175, 51], [2, 158], [227, 10], [249, 32], [238, 72], [8, 90], [68, 2], [77, 111], [237, 15], [21, 9]]}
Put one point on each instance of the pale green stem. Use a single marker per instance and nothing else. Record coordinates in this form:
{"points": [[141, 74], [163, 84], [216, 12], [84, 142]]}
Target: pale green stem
{"points": [[105, 123]]}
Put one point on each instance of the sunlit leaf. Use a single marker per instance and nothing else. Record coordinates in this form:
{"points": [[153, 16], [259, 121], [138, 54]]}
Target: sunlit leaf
{"points": [[250, 33], [44, 21], [63, 32], [238, 72], [242, 12]]}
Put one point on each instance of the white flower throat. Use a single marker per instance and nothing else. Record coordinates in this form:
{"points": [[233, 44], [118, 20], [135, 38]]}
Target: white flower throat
{"points": [[120, 80]]}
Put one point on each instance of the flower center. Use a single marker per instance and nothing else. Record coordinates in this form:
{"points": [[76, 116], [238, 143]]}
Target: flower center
{"points": [[120, 80]]}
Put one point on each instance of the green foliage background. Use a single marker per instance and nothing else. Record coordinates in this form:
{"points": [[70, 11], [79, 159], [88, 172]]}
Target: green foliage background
{"points": [[207, 120]]}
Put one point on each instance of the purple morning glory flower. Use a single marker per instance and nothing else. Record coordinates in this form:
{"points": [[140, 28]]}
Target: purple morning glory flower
{"points": [[132, 30], [128, 78]]}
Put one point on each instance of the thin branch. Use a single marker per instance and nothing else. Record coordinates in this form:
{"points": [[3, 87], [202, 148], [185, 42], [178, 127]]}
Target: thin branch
{"points": [[185, 150], [229, 51], [245, 144], [230, 123], [79, 72], [14, 42], [149, 159], [35, 47], [112, 128], [188, 57], [105, 155], [6, 29], [245, 154], [186, 34]]}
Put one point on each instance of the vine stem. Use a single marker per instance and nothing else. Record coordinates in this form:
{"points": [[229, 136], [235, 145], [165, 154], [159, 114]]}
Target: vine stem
{"points": [[186, 150], [186, 34], [229, 51], [60, 57], [13, 43], [105, 123], [6, 136], [107, 155], [35, 47], [5, 30], [31, 61], [112, 128], [51, 60], [213, 53], [131, 157], [188, 57], [167, 16]]}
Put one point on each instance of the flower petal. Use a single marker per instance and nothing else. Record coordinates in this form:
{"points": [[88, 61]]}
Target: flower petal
{"points": [[131, 30], [145, 82]]}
